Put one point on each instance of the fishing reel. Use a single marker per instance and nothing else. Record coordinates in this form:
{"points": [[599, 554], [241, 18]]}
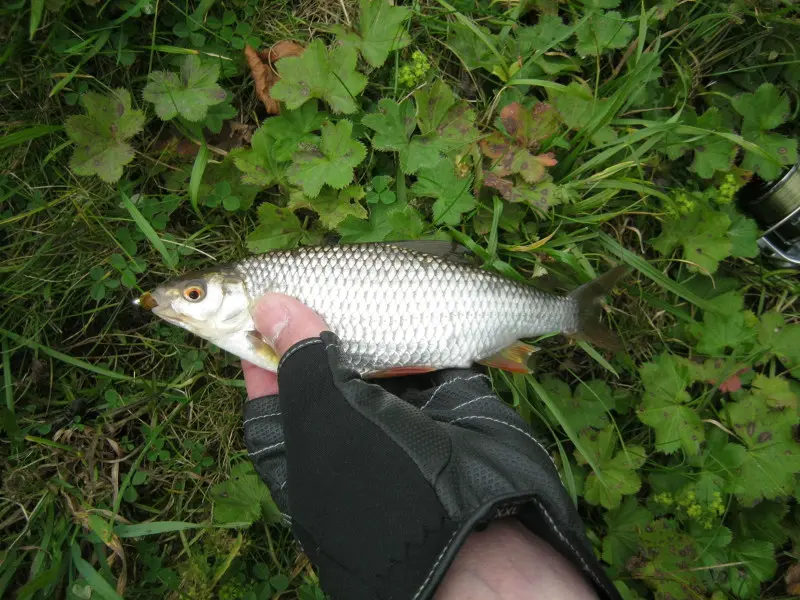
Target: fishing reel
{"points": [[775, 205]]}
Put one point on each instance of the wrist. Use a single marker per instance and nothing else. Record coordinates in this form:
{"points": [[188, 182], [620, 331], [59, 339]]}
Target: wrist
{"points": [[506, 561]]}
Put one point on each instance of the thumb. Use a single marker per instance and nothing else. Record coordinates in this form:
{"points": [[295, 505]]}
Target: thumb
{"points": [[284, 321]]}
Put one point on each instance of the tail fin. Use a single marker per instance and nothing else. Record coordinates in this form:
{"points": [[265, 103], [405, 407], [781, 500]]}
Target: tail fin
{"points": [[588, 297]]}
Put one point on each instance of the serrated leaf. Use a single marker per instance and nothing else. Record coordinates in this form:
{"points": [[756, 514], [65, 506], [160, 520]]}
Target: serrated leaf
{"points": [[529, 126], [743, 234], [624, 526], [603, 31], [387, 222], [332, 206], [775, 392], [331, 162], [703, 234], [783, 151], [320, 72], [766, 465], [780, 338], [453, 194], [578, 108], [278, 229], [432, 104], [188, 95], [755, 563], [588, 407], [664, 406], [243, 498], [764, 109], [545, 35], [380, 31], [258, 164], [101, 136], [731, 327], [393, 124], [293, 129], [617, 468]]}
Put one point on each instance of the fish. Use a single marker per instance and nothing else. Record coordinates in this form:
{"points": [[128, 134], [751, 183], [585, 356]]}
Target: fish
{"points": [[398, 308]]}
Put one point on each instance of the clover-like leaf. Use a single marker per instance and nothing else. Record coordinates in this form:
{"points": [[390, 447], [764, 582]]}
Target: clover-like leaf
{"points": [[664, 406], [101, 136], [380, 31], [331, 162], [189, 94], [320, 72], [453, 194]]}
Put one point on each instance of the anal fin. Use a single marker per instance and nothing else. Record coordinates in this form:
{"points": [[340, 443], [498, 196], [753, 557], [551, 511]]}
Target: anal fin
{"points": [[514, 358], [399, 372]]}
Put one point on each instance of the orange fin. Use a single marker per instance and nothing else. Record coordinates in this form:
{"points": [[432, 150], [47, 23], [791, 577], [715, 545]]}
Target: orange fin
{"points": [[399, 372], [514, 358]]}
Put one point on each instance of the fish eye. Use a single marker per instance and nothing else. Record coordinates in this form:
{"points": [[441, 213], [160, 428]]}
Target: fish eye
{"points": [[194, 293]]}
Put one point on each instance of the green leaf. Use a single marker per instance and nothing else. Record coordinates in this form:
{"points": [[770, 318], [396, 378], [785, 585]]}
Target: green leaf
{"points": [[259, 164], [278, 229], [766, 465], [731, 327], [327, 74], [775, 392], [101, 136], [664, 406], [780, 338], [243, 498], [713, 152], [783, 151], [755, 564], [588, 407], [98, 584], [743, 233], [453, 194], [393, 124], [387, 222], [764, 109], [380, 31], [602, 31], [624, 526], [226, 177], [703, 234], [332, 206], [598, 4], [618, 469], [433, 104], [293, 128], [545, 35], [331, 162], [578, 107], [189, 95], [217, 115]]}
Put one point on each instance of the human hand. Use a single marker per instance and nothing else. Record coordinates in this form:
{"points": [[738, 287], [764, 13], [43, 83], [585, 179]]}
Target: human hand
{"points": [[384, 483]]}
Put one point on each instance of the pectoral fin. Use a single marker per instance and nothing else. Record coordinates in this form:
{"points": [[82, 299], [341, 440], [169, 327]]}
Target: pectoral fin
{"points": [[514, 358], [263, 350]]}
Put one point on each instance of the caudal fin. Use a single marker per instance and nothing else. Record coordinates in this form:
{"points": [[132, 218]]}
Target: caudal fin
{"points": [[588, 297]]}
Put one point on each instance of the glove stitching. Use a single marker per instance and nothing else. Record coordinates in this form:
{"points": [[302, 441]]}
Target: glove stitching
{"points": [[436, 564], [567, 542], [424, 406], [522, 431], [257, 452], [296, 347], [251, 419], [473, 400]]}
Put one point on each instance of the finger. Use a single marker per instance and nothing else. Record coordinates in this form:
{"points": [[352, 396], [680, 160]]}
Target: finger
{"points": [[284, 321], [259, 382]]}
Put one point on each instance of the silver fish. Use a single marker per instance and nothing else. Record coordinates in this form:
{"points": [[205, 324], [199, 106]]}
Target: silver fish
{"points": [[398, 307]]}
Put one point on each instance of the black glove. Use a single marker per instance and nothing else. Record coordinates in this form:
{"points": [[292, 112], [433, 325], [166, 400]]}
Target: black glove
{"points": [[384, 486]]}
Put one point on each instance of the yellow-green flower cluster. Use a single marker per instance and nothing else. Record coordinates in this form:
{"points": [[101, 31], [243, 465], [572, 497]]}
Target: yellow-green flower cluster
{"points": [[412, 74], [687, 505], [727, 189]]}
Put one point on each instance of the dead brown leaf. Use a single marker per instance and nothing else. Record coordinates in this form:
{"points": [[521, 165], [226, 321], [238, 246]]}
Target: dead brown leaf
{"points": [[792, 579], [262, 68]]}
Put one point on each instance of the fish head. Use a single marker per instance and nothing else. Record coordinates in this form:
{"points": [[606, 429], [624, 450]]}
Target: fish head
{"points": [[212, 304]]}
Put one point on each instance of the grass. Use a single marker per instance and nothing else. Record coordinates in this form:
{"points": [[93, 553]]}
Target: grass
{"points": [[117, 429]]}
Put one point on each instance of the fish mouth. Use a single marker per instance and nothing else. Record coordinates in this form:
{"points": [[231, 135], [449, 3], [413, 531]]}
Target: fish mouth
{"points": [[146, 301]]}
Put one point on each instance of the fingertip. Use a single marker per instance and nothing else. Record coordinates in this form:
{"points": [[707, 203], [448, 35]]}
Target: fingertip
{"points": [[284, 321], [259, 382]]}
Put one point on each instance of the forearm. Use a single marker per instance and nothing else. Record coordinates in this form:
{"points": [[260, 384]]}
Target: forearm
{"points": [[506, 561]]}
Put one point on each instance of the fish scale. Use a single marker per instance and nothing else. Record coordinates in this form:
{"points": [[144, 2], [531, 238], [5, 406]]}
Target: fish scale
{"points": [[394, 307]]}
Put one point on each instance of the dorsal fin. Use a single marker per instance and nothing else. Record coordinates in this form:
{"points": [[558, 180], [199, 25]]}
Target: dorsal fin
{"points": [[448, 250]]}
